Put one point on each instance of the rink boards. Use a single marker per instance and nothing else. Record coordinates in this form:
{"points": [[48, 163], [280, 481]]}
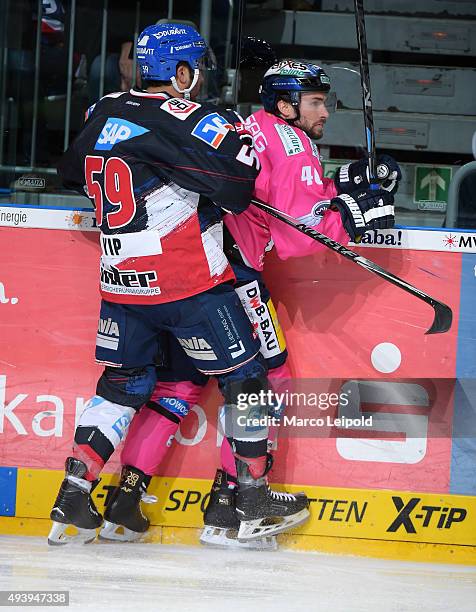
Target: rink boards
{"points": [[406, 482], [391, 524]]}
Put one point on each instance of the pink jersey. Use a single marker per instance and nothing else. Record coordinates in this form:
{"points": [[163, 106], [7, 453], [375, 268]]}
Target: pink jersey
{"points": [[291, 179]]}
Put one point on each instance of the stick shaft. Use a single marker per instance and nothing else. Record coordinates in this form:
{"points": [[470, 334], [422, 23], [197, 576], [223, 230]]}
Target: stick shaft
{"points": [[239, 38], [443, 314], [365, 82]]}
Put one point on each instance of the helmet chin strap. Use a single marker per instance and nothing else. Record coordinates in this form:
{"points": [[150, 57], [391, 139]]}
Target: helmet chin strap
{"points": [[187, 90]]}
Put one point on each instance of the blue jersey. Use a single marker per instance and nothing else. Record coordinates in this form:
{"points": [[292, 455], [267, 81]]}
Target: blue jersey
{"points": [[156, 168]]}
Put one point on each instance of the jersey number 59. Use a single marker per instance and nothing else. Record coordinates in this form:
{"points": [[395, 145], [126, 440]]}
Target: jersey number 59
{"points": [[118, 189]]}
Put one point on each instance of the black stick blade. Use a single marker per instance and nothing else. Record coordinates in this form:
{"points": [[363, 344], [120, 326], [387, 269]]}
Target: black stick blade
{"points": [[443, 318], [443, 313]]}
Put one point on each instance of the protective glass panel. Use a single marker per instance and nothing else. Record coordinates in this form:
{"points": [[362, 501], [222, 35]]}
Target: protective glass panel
{"points": [[57, 57]]}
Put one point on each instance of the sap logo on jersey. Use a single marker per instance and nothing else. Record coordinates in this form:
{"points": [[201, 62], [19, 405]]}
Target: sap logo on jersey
{"points": [[117, 130], [212, 129], [179, 108]]}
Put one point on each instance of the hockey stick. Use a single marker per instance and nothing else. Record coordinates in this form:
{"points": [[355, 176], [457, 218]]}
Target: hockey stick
{"points": [[443, 315], [239, 37], [366, 98]]}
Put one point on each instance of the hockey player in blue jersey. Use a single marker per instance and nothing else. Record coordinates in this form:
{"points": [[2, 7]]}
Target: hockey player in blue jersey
{"points": [[157, 166]]}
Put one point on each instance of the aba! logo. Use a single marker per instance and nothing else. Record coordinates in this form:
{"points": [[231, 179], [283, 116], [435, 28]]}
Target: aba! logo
{"points": [[117, 130], [212, 129]]}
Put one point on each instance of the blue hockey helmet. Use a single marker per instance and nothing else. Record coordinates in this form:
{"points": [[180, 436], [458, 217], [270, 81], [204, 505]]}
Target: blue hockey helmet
{"points": [[162, 46], [289, 78]]}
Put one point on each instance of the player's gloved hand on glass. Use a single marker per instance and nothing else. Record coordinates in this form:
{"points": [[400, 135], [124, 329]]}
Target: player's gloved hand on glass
{"points": [[356, 175], [365, 210]]}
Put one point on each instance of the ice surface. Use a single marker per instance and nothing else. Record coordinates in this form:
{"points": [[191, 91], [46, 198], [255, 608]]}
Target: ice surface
{"points": [[137, 577]]}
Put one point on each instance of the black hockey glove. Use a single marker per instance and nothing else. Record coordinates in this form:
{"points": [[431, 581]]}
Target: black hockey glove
{"points": [[355, 175], [365, 210]]}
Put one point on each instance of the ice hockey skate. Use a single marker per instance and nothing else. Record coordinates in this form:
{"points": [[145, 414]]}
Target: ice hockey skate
{"points": [[74, 507], [123, 518], [221, 522], [264, 512]]}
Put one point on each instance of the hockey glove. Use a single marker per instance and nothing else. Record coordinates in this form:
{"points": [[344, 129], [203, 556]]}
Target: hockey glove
{"points": [[365, 210], [356, 175]]}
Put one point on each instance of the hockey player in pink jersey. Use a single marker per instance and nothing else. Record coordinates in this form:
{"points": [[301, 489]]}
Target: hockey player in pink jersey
{"points": [[296, 100]]}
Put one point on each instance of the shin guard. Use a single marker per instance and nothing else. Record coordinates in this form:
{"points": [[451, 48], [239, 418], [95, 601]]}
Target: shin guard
{"points": [[101, 427], [153, 429], [276, 376]]}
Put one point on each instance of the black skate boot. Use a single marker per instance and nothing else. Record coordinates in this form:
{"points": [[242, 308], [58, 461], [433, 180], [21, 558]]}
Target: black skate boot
{"points": [[263, 511], [221, 523], [123, 518], [74, 506]]}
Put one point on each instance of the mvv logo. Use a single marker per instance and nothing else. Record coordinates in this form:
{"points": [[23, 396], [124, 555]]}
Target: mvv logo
{"points": [[441, 517]]}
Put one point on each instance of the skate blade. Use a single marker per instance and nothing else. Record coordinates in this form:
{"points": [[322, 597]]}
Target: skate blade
{"points": [[218, 537], [111, 532], [251, 530], [59, 537]]}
